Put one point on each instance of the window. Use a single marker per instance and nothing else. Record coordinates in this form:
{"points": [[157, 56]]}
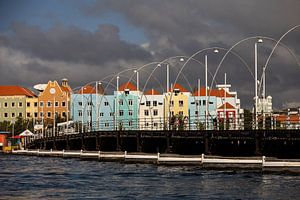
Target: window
{"points": [[5, 105], [90, 103], [64, 114], [130, 102], [221, 115], [41, 114], [79, 103], [121, 102], [146, 112], [56, 103], [127, 92], [203, 102], [180, 113], [160, 103], [154, 103], [155, 112], [180, 103], [112, 114], [49, 114], [130, 112], [146, 124], [155, 124], [106, 124], [142, 104], [28, 104], [196, 112], [121, 113], [106, 103], [12, 104], [48, 104], [230, 114], [172, 103], [101, 114], [130, 123], [5, 115], [20, 104], [148, 103], [41, 104], [63, 104], [13, 115], [20, 114], [35, 104], [89, 113], [80, 113], [28, 114], [35, 114]]}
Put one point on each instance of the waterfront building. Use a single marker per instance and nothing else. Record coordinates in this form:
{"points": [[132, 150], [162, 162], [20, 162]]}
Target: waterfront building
{"points": [[14, 101], [106, 112], [197, 106], [127, 101], [289, 119], [151, 111], [176, 105], [54, 103], [230, 113]]}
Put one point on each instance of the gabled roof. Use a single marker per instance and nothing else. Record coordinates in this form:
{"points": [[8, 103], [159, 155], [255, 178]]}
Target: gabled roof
{"points": [[66, 89], [128, 86], [87, 90], [14, 90], [228, 106], [152, 92], [213, 92], [179, 87]]}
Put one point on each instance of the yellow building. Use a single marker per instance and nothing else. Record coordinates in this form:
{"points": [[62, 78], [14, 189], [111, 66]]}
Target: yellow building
{"points": [[176, 102]]}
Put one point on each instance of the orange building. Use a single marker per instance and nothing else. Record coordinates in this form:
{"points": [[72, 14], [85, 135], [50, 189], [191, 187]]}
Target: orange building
{"points": [[55, 99]]}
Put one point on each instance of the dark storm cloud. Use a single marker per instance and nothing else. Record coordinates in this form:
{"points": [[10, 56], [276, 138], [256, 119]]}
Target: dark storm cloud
{"points": [[183, 27], [172, 27], [72, 44]]}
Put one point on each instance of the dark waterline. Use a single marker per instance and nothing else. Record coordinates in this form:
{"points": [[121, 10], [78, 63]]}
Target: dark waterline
{"points": [[24, 177]]}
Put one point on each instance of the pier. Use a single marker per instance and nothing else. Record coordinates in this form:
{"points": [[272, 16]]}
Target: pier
{"points": [[204, 161], [235, 143]]}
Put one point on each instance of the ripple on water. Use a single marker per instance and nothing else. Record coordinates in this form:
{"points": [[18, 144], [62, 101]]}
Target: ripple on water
{"points": [[55, 178]]}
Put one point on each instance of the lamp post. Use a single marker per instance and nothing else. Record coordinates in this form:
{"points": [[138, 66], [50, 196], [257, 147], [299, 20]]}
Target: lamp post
{"points": [[255, 68], [117, 103], [52, 91], [206, 90]]}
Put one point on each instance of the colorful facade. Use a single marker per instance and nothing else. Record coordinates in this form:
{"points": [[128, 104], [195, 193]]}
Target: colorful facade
{"points": [[13, 102], [54, 101], [151, 111]]}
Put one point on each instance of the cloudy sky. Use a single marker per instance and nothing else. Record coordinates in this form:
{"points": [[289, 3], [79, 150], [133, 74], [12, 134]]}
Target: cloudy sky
{"points": [[85, 41]]}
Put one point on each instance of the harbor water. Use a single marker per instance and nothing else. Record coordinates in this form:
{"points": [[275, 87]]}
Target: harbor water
{"points": [[26, 177]]}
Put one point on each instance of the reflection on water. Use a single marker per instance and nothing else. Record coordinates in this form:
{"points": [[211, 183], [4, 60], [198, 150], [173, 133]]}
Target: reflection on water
{"points": [[55, 178]]}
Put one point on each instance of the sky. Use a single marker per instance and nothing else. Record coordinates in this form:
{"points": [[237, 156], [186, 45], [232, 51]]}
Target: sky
{"points": [[91, 40]]}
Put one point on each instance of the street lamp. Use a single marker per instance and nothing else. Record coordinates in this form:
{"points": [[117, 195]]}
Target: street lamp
{"points": [[206, 96], [255, 66]]}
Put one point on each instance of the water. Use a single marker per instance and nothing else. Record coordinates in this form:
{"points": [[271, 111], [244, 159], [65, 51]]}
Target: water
{"points": [[24, 177]]}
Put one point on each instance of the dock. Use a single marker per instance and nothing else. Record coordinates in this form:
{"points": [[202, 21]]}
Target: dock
{"points": [[205, 161]]}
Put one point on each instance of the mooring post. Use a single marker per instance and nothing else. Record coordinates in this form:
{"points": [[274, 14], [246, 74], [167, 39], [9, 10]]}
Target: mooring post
{"points": [[82, 141], [138, 142], [98, 142], [67, 143], [118, 141], [258, 140], [206, 143]]}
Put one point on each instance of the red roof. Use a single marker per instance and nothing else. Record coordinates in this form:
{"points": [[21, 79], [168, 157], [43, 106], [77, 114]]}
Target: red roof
{"points": [[285, 118], [213, 92], [128, 86], [179, 87], [14, 90], [228, 106], [87, 90], [152, 92], [65, 89]]}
